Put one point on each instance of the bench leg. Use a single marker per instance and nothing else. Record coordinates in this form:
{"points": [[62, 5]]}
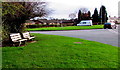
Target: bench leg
{"points": [[20, 43]]}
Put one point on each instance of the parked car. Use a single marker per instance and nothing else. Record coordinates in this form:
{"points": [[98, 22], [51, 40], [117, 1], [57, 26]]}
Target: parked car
{"points": [[110, 25], [85, 23]]}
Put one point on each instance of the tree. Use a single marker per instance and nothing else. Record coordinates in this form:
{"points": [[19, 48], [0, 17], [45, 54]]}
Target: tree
{"points": [[89, 15], [36, 9], [95, 16], [21, 11], [76, 21], [72, 15], [84, 10], [103, 14], [79, 16], [84, 14], [14, 15]]}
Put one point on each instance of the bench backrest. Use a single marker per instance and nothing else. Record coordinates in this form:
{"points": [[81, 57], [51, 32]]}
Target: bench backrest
{"points": [[26, 35], [15, 36]]}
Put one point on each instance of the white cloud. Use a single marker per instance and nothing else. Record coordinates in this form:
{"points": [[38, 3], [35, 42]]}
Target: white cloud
{"points": [[64, 7]]}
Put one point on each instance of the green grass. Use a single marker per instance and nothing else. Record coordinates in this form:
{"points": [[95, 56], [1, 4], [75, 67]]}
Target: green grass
{"points": [[66, 28], [51, 51]]}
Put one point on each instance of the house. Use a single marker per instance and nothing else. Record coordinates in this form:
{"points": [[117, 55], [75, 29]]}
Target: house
{"points": [[66, 23], [118, 20], [51, 23], [48, 22], [54, 22], [114, 19], [29, 22]]}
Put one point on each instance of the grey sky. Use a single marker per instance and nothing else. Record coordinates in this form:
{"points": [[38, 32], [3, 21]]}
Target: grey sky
{"points": [[64, 7]]}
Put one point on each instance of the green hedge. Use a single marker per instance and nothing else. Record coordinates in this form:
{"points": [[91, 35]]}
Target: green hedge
{"points": [[40, 25], [33, 26]]}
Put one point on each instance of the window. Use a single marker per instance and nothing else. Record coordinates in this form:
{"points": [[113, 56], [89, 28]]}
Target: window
{"points": [[84, 22]]}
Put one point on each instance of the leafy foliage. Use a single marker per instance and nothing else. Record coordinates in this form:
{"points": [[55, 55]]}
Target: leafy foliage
{"points": [[95, 16], [14, 15], [84, 14], [103, 14], [12, 18], [79, 15]]}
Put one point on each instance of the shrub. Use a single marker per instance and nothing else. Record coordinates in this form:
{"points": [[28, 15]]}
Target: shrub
{"points": [[34, 26]]}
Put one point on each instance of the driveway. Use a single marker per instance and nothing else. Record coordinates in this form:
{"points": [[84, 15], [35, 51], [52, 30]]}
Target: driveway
{"points": [[107, 36]]}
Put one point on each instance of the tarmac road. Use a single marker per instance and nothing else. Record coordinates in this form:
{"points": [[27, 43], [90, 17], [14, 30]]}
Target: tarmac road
{"points": [[107, 36]]}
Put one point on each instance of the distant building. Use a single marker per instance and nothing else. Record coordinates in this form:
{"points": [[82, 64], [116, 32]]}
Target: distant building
{"points": [[118, 20], [29, 22], [53, 22], [114, 19], [67, 23]]}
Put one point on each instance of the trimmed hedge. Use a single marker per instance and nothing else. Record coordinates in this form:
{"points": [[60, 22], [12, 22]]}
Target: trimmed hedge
{"points": [[33, 26], [39, 25]]}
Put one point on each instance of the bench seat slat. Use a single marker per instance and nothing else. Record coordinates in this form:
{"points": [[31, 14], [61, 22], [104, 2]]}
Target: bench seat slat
{"points": [[27, 36], [16, 37]]}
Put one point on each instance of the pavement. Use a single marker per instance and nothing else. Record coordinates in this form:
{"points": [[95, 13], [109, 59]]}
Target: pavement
{"points": [[107, 36]]}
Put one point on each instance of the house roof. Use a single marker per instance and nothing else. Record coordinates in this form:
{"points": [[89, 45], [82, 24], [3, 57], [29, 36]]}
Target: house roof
{"points": [[55, 21], [46, 21], [29, 21], [52, 21], [67, 21]]}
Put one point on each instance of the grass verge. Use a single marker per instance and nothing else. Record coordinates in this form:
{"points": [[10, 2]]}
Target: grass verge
{"points": [[66, 28], [51, 51]]}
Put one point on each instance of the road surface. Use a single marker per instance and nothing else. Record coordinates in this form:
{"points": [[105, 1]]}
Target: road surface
{"points": [[107, 36]]}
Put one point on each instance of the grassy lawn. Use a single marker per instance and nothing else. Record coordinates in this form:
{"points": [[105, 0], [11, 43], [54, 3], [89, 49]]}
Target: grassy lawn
{"points": [[66, 28], [51, 51]]}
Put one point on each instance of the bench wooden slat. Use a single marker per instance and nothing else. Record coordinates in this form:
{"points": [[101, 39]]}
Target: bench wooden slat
{"points": [[16, 37], [27, 36]]}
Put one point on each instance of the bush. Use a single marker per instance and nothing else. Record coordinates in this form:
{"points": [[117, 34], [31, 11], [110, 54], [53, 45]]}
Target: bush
{"points": [[34, 26], [5, 35], [40, 25], [6, 29], [54, 25]]}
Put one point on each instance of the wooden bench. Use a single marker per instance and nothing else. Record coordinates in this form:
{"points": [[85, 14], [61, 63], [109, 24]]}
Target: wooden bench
{"points": [[27, 36], [16, 38]]}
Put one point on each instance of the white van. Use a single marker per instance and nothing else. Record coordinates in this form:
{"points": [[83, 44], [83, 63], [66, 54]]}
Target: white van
{"points": [[85, 23]]}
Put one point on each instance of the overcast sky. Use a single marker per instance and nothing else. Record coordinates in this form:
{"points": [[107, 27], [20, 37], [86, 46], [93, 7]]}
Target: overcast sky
{"points": [[62, 8]]}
